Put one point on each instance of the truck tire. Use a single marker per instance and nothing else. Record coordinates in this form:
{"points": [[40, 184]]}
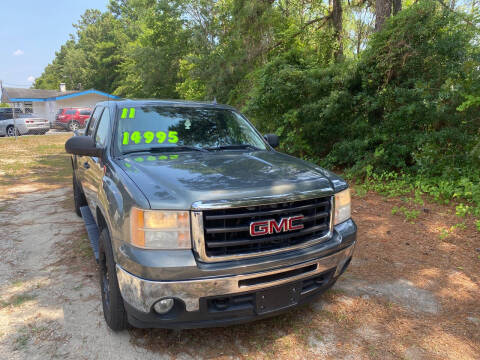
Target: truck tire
{"points": [[78, 197], [112, 301]]}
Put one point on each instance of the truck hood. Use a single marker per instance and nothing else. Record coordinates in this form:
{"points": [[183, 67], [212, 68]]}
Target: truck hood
{"points": [[175, 181]]}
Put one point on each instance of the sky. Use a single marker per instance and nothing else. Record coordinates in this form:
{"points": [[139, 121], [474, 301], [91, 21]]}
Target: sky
{"points": [[30, 33]]}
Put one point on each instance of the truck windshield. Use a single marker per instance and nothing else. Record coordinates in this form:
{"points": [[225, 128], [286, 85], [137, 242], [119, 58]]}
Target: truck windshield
{"points": [[148, 128]]}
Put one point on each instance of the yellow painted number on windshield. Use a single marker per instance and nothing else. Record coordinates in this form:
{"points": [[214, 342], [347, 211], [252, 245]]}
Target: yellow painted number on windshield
{"points": [[131, 113], [172, 137], [126, 138], [148, 136], [161, 136], [136, 137]]}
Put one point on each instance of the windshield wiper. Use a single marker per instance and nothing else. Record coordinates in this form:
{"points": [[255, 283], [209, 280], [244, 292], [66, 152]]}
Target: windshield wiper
{"points": [[167, 149], [233, 147]]}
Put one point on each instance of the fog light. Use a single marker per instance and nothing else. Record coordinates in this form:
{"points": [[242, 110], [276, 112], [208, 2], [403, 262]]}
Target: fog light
{"points": [[163, 306]]}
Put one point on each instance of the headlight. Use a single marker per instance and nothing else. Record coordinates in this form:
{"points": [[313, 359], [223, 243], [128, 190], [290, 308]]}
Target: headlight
{"points": [[156, 229], [342, 206]]}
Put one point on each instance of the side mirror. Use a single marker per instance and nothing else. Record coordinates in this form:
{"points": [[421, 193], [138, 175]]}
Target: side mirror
{"points": [[83, 146], [272, 140]]}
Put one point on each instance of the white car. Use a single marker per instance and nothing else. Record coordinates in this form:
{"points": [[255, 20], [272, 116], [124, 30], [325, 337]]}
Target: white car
{"points": [[25, 124]]}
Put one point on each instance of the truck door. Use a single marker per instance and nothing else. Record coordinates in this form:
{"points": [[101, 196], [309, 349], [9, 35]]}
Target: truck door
{"points": [[94, 173], [85, 163]]}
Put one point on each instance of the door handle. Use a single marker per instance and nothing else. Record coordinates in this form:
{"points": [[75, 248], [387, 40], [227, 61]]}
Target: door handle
{"points": [[86, 165]]}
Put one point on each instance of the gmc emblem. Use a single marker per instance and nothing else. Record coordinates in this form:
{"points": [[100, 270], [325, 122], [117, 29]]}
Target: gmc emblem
{"points": [[267, 227]]}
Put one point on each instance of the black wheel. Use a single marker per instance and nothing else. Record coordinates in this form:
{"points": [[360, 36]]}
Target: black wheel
{"points": [[113, 308], [78, 197], [11, 131], [73, 126]]}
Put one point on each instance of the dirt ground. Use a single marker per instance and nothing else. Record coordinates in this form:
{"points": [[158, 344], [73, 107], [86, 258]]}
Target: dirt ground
{"points": [[411, 292]]}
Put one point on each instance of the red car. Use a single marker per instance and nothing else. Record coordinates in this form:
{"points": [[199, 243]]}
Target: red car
{"points": [[72, 118]]}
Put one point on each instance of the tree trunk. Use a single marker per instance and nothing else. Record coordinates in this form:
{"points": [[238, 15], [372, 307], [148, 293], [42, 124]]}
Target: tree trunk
{"points": [[383, 10], [397, 6], [337, 21]]}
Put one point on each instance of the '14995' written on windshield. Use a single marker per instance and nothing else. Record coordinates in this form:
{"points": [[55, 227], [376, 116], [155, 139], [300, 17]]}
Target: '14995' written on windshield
{"points": [[148, 137]]}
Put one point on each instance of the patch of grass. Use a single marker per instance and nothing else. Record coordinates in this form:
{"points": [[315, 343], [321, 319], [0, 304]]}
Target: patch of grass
{"points": [[462, 210], [18, 300], [30, 159], [38, 329], [410, 215], [17, 283], [341, 317], [49, 148], [442, 190], [418, 198], [83, 248], [21, 299], [21, 341], [361, 191], [444, 233]]}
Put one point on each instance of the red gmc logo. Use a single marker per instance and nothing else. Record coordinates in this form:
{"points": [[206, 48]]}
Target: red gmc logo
{"points": [[267, 227]]}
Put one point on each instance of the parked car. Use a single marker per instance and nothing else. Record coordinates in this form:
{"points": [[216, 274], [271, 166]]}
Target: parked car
{"points": [[7, 113], [196, 221], [24, 124], [72, 118]]}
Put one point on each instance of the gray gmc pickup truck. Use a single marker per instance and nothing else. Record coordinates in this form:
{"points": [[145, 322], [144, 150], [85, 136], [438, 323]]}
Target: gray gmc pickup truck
{"points": [[196, 221]]}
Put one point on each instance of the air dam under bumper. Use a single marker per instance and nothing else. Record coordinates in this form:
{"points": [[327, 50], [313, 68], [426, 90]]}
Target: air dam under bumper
{"points": [[141, 294]]}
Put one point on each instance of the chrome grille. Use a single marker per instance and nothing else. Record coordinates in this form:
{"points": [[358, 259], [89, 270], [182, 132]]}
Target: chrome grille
{"points": [[226, 231]]}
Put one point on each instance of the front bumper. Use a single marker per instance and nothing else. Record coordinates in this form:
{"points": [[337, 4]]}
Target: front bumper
{"points": [[192, 296]]}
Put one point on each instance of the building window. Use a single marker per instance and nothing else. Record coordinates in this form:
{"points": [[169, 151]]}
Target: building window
{"points": [[28, 107]]}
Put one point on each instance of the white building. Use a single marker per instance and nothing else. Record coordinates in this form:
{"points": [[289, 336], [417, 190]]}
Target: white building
{"points": [[47, 102]]}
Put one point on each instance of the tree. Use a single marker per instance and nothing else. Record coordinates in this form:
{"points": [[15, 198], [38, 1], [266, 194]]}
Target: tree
{"points": [[151, 60], [337, 21], [90, 58], [383, 10], [397, 6]]}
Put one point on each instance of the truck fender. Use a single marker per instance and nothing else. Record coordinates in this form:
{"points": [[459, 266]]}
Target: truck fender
{"points": [[110, 203]]}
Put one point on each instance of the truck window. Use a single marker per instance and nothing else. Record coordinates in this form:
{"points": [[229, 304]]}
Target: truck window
{"points": [[145, 127], [93, 120], [102, 130]]}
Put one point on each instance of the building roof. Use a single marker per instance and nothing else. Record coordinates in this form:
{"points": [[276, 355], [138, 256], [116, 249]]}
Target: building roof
{"points": [[34, 95]]}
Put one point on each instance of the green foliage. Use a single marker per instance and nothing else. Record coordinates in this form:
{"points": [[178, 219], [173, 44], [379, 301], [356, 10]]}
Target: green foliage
{"points": [[395, 109], [4, 105], [401, 113], [150, 63], [410, 215], [391, 118], [444, 233], [462, 210]]}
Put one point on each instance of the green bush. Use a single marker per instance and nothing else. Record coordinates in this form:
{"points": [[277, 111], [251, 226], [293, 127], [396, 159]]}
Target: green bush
{"points": [[402, 117]]}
